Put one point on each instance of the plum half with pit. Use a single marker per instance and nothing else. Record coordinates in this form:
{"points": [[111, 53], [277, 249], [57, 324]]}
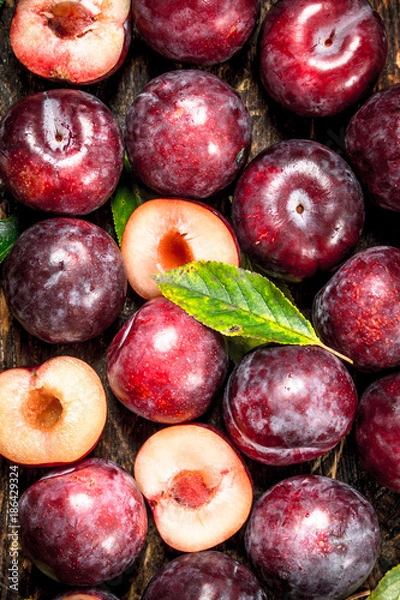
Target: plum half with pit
{"points": [[85, 524], [61, 151], [72, 41], [196, 484], [202, 33], [298, 209], [373, 146], [289, 404], [209, 574], [377, 430], [165, 233], [357, 312], [166, 366], [319, 58], [64, 280], [188, 134], [310, 537], [86, 594]]}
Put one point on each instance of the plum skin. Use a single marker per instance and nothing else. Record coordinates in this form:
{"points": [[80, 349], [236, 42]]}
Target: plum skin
{"points": [[289, 404], [377, 430], [188, 134], [164, 365], [298, 209], [85, 524], [373, 147], [318, 59], [64, 280], [206, 574], [310, 537], [357, 312], [193, 31], [52, 139]]}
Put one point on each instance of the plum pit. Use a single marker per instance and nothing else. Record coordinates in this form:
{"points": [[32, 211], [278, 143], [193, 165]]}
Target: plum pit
{"points": [[70, 19], [174, 250], [189, 489], [43, 409]]}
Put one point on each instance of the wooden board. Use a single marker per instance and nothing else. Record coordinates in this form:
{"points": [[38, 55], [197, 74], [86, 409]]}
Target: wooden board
{"points": [[124, 433]]}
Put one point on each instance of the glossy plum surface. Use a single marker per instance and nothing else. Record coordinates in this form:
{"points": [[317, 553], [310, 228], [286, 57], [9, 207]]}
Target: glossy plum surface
{"points": [[164, 365], [373, 146], [188, 134], [209, 574], [319, 58], [64, 280], [194, 31], [61, 151], [85, 524], [288, 404], [357, 312], [297, 209], [377, 430], [312, 538]]}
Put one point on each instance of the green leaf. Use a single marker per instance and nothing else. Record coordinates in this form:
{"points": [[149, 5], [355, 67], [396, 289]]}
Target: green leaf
{"points": [[389, 586], [236, 302], [125, 200], [9, 232]]}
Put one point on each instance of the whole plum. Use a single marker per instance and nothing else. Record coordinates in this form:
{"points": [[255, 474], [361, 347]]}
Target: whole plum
{"points": [[373, 146], [61, 151], [289, 404], [164, 365], [311, 537], [195, 32], [209, 574], [64, 280], [85, 524], [357, 312], [297, 209], [188, 134], [377, 430]]}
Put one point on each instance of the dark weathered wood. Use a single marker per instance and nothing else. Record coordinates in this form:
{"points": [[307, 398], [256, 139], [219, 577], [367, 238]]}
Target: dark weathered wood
{"points": [[124, 433]]}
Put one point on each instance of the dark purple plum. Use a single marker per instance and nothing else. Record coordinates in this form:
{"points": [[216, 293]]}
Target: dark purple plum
{"points": [[61, 151], [188, 134], [209, 574], [377, 430], [86, 594], [297, 209], [319, 58], [373, 146], [85, 524], [202, 33], [164, 365], [64, 280], [311, 537], [288, 404], [357, 312]]}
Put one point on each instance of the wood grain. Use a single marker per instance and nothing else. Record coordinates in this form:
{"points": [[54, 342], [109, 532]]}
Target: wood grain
{"points": [[124, 432]]}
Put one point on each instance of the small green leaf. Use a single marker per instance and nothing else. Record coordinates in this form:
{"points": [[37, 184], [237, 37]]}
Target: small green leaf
{"points": [[389, 586], [236, 302], [9, 232], [123, 203]]}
